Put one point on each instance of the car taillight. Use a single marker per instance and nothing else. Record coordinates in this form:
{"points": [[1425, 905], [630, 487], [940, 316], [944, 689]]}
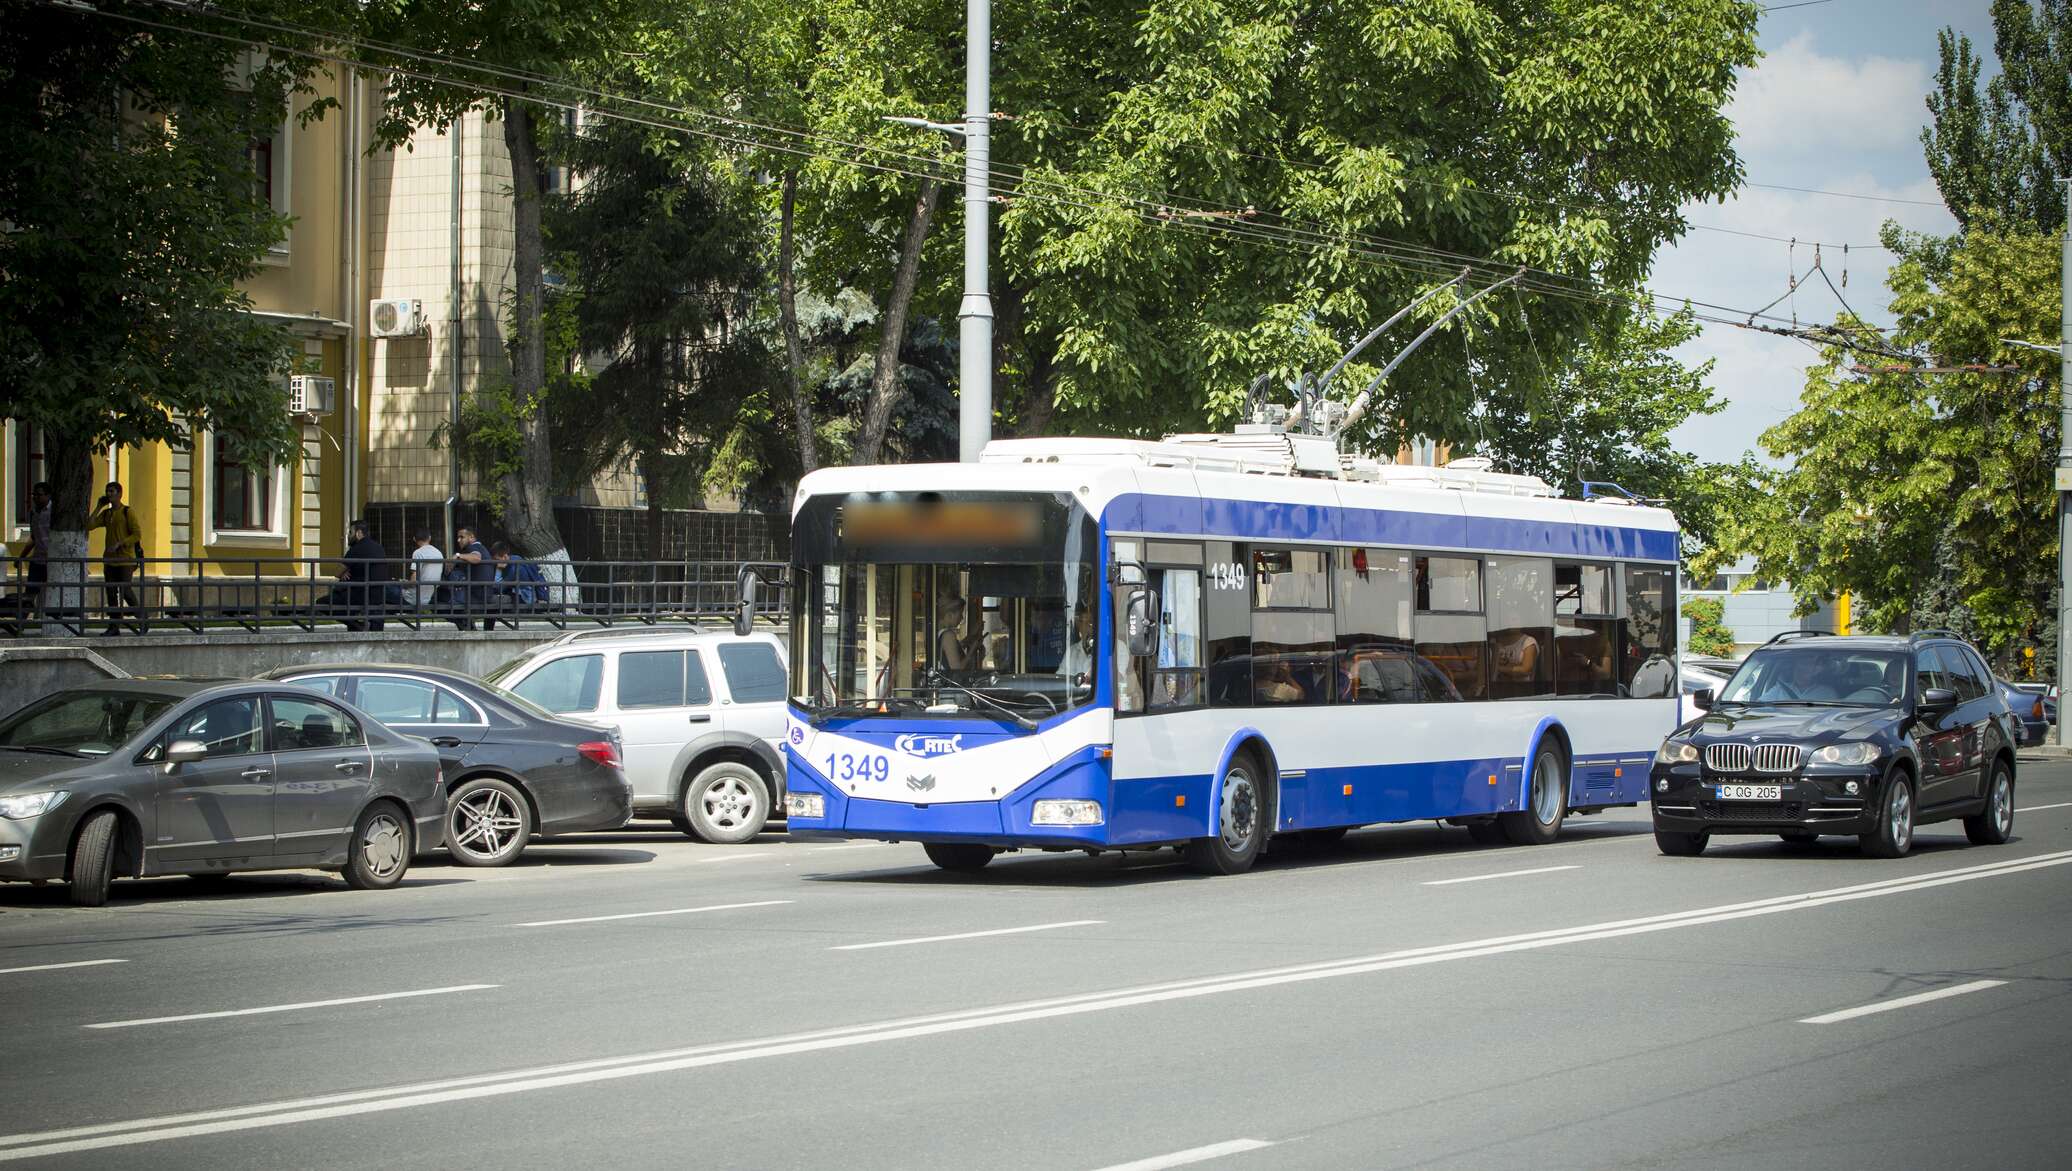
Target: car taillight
{"points": [[601, 752], [2036, 709]]}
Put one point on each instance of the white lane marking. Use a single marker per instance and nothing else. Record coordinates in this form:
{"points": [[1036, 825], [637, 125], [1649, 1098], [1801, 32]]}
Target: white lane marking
{"points": [[208, 1016], [967, 935], [733, 857], [1505, 874], [653, 914], [2041, 808], [55, 967], [39, 1144], [1877, 1006], [1236, 1146]]}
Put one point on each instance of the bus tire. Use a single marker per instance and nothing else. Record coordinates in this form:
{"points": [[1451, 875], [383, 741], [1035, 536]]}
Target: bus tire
{"points": [[1546, 803], [1241, 821], [960, 857]]}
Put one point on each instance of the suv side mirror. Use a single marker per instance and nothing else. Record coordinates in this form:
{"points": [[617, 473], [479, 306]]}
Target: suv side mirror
{"points": [[1140, 610], [1938, 699], [181, 752], [1702, 699]]}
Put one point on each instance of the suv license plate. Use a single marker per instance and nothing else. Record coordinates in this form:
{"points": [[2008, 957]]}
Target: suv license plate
{"points": [[1749, 792]]}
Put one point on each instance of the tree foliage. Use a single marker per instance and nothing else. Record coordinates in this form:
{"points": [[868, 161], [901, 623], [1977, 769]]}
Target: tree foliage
{"points": [[1709, 632], [1895, 482], [131, 216], [2000, 150]]}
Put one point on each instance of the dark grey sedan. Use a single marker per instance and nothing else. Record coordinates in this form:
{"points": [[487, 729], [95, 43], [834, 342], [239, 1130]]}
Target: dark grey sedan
{"points": [[512, 769], [140, 777]]}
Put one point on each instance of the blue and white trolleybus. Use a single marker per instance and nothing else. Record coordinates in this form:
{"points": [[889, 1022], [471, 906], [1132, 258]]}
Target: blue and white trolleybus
{"points": [[1212, 640]]}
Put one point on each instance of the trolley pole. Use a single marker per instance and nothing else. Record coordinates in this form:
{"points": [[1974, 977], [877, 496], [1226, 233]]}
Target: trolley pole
{"points": [[975, 316]]}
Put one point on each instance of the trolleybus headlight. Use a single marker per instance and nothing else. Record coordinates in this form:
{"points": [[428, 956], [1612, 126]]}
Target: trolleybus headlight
{"points": [[805, 805], [1066, 813], [1857, 752], [1676, 752]]}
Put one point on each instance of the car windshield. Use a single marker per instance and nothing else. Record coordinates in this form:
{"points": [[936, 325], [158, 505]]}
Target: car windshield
{"points": [[1825, 676], [85, 723]]}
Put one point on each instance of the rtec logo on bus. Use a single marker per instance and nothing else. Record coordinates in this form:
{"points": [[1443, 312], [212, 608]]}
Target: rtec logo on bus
{"points": [[917, 744]]}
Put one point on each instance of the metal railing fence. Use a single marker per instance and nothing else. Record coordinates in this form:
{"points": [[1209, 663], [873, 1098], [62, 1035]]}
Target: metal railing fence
{"points": [[196, 594]]}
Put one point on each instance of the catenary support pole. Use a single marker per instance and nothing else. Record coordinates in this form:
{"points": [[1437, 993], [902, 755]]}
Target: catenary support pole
{"points": [[975, 316], [2064, 462]]}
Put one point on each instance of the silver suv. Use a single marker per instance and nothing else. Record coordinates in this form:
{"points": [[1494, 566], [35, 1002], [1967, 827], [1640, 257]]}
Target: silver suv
{"points": [[700, 716]]}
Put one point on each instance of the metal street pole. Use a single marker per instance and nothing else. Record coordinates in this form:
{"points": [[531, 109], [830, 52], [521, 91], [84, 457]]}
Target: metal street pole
{"points": [[975, 317], [2065, 463]]}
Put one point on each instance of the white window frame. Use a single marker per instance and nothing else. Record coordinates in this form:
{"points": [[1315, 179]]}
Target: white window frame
{"points": [[203, 506], [9, 433]]}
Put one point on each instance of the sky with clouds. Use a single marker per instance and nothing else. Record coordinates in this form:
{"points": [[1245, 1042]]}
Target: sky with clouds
{"points": [[1835, 104]]}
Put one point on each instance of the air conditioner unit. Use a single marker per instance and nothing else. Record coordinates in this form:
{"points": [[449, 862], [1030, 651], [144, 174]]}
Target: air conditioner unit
{"points": [[311, 394], [396, 317]]}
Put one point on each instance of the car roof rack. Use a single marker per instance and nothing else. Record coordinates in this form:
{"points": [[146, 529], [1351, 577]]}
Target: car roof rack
{"points": [[1934, 632], [1789, 635], [639, 631]]}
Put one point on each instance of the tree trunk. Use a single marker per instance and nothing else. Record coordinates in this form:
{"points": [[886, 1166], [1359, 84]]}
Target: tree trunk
{"points": [[70, 460], [788, 313], [528, 494], [886, 390]]}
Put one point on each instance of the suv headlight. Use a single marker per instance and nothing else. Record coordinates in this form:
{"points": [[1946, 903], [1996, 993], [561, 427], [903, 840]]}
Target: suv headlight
{"points": [[27, 805], [1676, 752], [1858, 752]]}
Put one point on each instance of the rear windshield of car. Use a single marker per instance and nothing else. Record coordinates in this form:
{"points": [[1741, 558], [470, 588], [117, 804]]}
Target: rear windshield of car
{"points": [[90, 723], [1826, 676]]}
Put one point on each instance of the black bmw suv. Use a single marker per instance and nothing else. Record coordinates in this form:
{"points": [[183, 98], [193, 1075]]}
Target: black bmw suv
{"points": [[1862, 735]]}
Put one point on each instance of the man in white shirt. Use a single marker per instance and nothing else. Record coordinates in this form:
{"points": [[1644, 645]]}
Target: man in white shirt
{"points": [[427, 565]]}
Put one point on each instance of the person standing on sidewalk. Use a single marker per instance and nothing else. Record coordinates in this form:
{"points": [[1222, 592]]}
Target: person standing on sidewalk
{"points": [[122, 554], [471, 562], [36, 554]]}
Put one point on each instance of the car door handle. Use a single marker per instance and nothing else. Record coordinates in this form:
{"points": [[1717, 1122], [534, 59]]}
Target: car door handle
{"points": [[446, 741], [347, 766], [256, 773], [701, 719]]}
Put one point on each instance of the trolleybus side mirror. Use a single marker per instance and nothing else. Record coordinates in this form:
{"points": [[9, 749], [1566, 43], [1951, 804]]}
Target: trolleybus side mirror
{"points": [[1140, 611], [744, 610]]}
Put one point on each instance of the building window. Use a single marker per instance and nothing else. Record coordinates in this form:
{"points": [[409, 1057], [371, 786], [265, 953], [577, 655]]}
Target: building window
{"points": [[261, 154], [241, 498]]}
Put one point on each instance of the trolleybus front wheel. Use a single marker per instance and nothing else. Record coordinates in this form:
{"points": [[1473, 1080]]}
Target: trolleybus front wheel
{"points": [[1242, 813], [959, 856]]}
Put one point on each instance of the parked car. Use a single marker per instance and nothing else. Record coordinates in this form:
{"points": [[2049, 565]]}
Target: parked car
{"points": [[138, 777], [512, 769], [700, 716], [1863, 735], [2033, 711]]}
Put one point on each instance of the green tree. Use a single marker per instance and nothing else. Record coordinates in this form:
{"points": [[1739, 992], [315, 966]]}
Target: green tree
{"points": [[661, 261], [1906, 489], [2000, 151], [1709, 634], [131, 216], [1607, 416]]}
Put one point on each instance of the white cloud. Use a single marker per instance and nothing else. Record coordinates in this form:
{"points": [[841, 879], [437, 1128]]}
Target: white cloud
{"points": [[1800, 101]]}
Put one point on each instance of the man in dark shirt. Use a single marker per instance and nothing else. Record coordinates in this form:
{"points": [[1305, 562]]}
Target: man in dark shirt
{"points": [[367, 569], [471, 563]]}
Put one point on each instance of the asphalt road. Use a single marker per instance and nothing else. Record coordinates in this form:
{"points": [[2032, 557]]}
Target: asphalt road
{"points": [[1406, 999]]}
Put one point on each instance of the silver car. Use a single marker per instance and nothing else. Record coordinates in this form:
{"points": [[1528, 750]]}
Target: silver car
{"points": [[140, 777]]}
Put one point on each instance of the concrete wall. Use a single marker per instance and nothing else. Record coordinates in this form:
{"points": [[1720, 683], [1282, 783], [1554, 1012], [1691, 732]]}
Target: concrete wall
{"points": [[29, 669]]}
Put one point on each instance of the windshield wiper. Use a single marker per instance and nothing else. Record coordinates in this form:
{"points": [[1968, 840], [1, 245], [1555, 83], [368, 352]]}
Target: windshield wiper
{"points": [[44, 749], [1027, 724]]}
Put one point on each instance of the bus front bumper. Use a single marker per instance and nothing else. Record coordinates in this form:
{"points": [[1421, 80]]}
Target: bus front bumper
{"points": [[1080, 786]]}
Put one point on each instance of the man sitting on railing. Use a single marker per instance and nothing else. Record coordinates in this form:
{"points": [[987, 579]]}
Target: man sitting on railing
{"points": [[362, 593], [518, 584]]}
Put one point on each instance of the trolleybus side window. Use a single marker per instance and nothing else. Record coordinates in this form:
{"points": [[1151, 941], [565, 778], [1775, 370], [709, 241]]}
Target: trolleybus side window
{"points": [[1586, 628], [1647, 661], [1291, 627], [1376, 662], [1451, 630], [1521, 627], [1176, 665], [1227, 623]]}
